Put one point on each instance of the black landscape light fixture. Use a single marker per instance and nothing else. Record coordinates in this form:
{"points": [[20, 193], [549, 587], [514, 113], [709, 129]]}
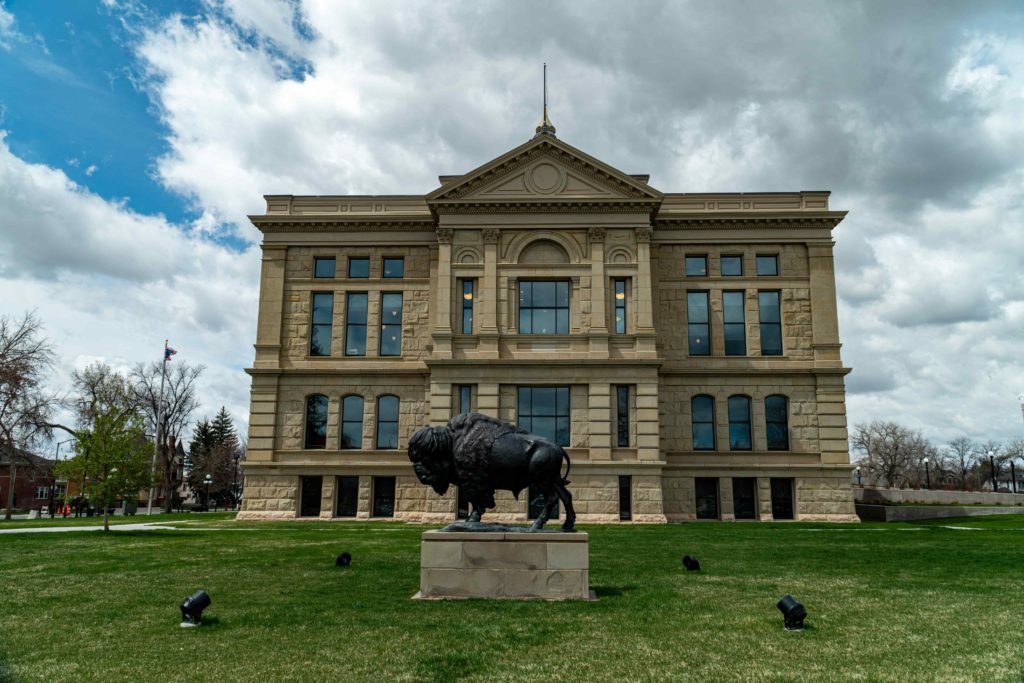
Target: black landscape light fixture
{"points": [[857, 470], [691, 563], [992, 469], [927, 475], [793, 613], [343, 560], [192, 609]]}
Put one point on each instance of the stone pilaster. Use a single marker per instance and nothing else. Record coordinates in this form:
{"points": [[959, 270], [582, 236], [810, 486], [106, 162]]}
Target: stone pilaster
{"points": [[268, 330], [598, 297], [600, 421], [443, 321], [824, 316], [489, 301], [643, 295]]}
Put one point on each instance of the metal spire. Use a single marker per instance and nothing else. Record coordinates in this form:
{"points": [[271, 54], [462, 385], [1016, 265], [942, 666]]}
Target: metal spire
{"points": [[545, 127]]}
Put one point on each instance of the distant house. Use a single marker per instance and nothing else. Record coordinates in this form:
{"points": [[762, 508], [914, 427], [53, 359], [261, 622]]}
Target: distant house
{"points": [[33, 479]]}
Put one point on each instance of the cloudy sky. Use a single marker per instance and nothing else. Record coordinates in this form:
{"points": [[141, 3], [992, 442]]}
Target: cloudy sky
{"points": [[135, 136]]}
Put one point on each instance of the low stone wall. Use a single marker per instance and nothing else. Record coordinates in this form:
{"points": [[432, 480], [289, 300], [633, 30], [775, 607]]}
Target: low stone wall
{"points": [[886, 496], [913, 513]]}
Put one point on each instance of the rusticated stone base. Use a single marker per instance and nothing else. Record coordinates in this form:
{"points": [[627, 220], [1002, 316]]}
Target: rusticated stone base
{"points": [[548, 566]]}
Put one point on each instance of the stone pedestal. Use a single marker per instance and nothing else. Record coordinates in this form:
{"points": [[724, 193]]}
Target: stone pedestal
{"points": [[549, 566]]}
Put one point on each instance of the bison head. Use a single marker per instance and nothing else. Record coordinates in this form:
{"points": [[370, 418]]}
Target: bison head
{"points": [[430, 451]]}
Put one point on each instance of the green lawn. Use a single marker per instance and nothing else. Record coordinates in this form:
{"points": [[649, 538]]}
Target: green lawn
{"points": [[98, 520], [892, 602]]}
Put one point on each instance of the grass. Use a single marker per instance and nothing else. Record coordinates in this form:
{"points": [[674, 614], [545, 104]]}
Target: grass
{"points": [[97, 520], [894, 602]]}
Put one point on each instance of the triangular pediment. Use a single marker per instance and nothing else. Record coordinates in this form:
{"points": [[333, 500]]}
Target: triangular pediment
{"points": [[544, 169]]}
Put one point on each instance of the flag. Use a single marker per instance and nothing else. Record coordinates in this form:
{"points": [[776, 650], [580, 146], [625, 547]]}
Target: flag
{"points": [[168, 352]]}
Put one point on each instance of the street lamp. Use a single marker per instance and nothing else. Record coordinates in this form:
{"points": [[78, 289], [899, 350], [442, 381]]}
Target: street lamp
{"points": [[927, 475], [857, 470], [208, 480], [53, 479], [992, 468]]}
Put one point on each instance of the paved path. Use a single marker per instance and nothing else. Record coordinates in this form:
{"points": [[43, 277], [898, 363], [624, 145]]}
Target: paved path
{"points": [[113, 527]]}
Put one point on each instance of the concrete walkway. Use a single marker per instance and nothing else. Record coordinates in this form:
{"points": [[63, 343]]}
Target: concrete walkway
{"points": [[113, 527]]}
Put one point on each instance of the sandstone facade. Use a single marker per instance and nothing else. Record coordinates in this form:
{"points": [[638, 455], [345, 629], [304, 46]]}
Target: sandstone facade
{"points": [[548, 213]]}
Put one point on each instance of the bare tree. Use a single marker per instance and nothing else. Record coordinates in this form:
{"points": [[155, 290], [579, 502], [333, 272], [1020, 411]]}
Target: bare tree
{"points": [[25, 406], [179, 402], [100, 390], [891, 452], [960, 459]]}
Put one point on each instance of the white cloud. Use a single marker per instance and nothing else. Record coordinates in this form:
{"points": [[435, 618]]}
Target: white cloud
{"points": [[111, 284], [7, 31], [912, 118]]}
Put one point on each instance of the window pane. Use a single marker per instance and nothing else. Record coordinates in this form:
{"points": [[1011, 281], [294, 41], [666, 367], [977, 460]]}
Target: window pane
{"points": [[625, 497], [391, 324], [697, 307], [351, 435], [739, 437], [348, 496], [732, 303], [467, 307], [355, 340], [696, 266], [352, 409], [700, 344], [543, 401], [320, 340], [391, 308], [543, 294], [545, 411], [394, 267], [357, 304], [387, 435], [778, 436], [544, 321], [316, 421], [525, 294], [768, 303], [776, 415], [744, 497], [703, 437], [359, 267], [562, 400], [622, 415], [323, 267], [775, 409], [771, 340], [768, 265], [703, 409], [465, 398], [526, 321], [739, 409], [706, 489], [383, 497], [523, 409], [562, 321], [563, 294], [620, 306], [323, 308], [387, 408], [545, 426], [732, 266]]}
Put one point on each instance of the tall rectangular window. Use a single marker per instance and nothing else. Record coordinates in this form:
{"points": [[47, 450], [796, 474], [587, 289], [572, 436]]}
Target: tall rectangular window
{"points": [[735, 327], [702, 418], [383, 497], [391, 324], [744, 497], [622, 415], [355, 324], [359, 267], [323, 267], [770, 317], [698, 328], [309, 497], [323, 319], [706, 490], [696, 266], [387, 422], [767, 264], [620, 306], [394, 267], [543, 307], [782, 497], [544, 411], [739, 423], [352, 422], [731, 266], [776, 419], [467, 306], [348, 496], [625, 497], [465, 398]]}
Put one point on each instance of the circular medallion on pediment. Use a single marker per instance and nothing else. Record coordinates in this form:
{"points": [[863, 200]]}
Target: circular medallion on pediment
{"points": [[545, 178]]}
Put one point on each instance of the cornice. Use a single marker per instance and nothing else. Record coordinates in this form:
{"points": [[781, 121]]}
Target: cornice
{"points": [[775, 222], [548, 206], [425, 223]]}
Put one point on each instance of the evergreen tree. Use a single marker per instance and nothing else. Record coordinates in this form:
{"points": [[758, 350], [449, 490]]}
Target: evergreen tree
{"points": [[212, 452]]}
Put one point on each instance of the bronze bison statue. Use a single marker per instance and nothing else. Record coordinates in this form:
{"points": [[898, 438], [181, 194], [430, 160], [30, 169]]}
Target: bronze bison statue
{"points": [[481, 454]]}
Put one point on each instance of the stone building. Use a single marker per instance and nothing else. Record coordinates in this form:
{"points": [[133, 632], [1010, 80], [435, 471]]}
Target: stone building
{"points": [[684, 348]]}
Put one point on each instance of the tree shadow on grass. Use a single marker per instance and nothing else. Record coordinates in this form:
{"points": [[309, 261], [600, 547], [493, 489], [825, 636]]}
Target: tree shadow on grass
{"points": [[6, 676], [613, 591]]}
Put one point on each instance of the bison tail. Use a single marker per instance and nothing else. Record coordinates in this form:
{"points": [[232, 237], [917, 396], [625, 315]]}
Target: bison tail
{"points": [[568, 462]]}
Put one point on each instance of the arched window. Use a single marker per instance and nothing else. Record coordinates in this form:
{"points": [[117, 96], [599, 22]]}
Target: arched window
{"points": [[316, 421], [352, 422], [702, 412], [739, 423], [387, 422], [776, 420]]}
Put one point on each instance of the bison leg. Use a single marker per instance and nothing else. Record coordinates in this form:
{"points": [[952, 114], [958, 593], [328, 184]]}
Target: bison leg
{"points": [[550, 500], [570, 513], [476, 513]]}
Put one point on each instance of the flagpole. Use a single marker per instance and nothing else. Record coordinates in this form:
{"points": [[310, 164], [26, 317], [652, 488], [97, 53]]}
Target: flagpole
{"points": [[159, 416]]}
